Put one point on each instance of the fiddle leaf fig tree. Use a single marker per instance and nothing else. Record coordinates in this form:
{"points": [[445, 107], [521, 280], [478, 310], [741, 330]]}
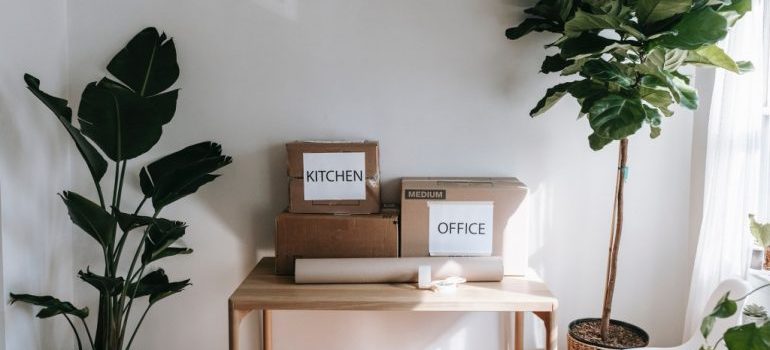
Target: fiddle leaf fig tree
{"points": [[625, 59], [124, 117]]}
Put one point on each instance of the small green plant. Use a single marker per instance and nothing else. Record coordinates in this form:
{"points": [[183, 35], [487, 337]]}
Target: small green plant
{"points": [[754, 310], [749, 336], [124, 117], [760, 231]]}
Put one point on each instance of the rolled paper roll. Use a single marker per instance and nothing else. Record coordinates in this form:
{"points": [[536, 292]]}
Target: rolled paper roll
{"points": [[396, 270]]}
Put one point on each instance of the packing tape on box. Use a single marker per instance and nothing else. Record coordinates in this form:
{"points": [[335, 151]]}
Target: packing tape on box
{"points": [[396, 270]]}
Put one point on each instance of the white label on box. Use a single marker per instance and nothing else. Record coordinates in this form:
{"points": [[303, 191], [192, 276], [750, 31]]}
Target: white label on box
{"points": [[334, 176], [460, 228]]}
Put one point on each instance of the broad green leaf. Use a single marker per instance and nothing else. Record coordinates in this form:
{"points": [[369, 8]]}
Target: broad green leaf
{"points": [[734, 10], [597, 142], [123, 124], [147, 64], [552, 95], [51, 306], [707, 325], [97, 166], [712, 55], [156, 285], [616, 117], [666, 59], [182, 173], [575, 67], [106, 285], [725, 307], [161, 235], [587, 92], [584, 21], [760, 231], [651, 115], [688, 96], [90, 217], [654, 132], [649, 11], [586, 43], [695, 29], [556, 10], [532, 25], [555, 63], [607, 72], [748, 337]]}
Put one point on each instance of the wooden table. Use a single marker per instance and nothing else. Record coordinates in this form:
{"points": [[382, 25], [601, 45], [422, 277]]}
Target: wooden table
{"points": [[263, 290]]}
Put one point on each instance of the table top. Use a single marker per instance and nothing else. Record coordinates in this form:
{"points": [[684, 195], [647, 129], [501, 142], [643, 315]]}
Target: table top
{"points": [[262, 289]]}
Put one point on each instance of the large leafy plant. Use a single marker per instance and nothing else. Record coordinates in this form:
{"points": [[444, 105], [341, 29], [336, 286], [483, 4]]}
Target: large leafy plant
{"points": [[749, 336], [124, 118], [627, 57]]}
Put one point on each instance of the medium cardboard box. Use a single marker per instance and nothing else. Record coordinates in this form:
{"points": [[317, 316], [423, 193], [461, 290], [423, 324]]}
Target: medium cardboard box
{"points": [[443, 206], [339, 182], [334, 236]]}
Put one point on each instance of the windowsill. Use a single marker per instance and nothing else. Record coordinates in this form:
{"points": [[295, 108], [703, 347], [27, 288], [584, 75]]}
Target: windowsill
{"points": [[761, 274]]}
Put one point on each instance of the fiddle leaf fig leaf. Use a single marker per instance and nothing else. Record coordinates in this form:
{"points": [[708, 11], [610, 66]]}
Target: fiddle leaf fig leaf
{"points": [[760, 231], [555, 10], [607, 72], [584, 21], [666, 59], [616, 117], [713, 55], [90, 217], [532, 25], [649, 11], [555, 63], [97, 166], [696, 29], [586, 43], [51, 306], [748, 337], [552, 96], [147, 64]]}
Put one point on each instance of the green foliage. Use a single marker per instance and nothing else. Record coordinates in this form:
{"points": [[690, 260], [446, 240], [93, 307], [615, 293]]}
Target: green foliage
{"points": [[629, 55], [745, 337], [124, 118], [760, 231]]}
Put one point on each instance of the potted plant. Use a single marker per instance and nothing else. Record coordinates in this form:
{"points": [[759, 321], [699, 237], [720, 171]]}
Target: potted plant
{"points": [[761, 233], [749, 336], [754, 313], [627, 56], [124, 118]]}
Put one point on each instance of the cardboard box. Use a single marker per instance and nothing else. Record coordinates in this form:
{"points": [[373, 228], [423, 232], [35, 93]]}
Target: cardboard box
{"points": [[462, 213], [344, 179], [334, 236]]}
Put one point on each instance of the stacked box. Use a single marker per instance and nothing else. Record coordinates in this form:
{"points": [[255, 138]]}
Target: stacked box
{"points": [[334, 236], [466, 217], [334, 205], [334, 177]]}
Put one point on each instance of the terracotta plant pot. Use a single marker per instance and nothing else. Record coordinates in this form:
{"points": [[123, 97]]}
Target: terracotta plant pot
{"points": [[575, 342], [766, 266]]}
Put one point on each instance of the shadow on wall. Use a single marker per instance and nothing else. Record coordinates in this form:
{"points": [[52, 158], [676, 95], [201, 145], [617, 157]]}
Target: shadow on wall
{"points": [[243, 196]]}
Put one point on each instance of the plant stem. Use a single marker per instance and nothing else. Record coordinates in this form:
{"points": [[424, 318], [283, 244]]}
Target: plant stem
{"points": [[617, 229], [752, 292], [101, 195], [77, 336], [88, 332], [124, 236], [136, 329]]}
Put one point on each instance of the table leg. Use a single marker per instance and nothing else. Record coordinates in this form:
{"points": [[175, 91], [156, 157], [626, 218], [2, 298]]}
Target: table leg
{"points": [[234, 324], [518, 333], [551, 332], [267, 330]]}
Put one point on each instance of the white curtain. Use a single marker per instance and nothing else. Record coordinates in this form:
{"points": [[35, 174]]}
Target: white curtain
{"points": [[732, 168]]}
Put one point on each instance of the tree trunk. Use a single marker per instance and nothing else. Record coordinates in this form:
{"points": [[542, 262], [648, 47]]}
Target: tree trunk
{"points": [[615, 233]]}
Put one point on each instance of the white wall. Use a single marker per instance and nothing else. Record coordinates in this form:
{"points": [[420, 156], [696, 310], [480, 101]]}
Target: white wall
{"points": [[445, 93], [34, 165]]}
